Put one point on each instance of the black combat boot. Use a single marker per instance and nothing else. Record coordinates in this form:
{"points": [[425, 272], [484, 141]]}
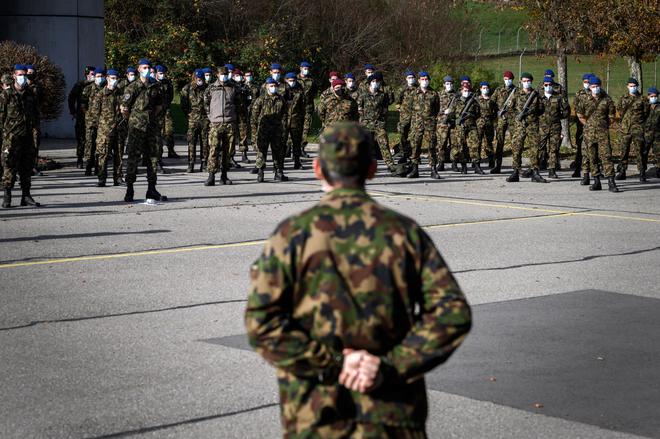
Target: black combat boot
{"points": [[234, 163], [441, 166], [119, 181], [491, 161], [304, 153], [463, 168], [245, 158], [26, 198], [296, 163], [577, 173], [191, 167], [223, 178], [154, 194], [536, 177], [6, 202], [527, 173], [454, 166], [642, 176], [477, 169], [596, 186], [414, 171], [159, 167], [621, 175], [79, 163], [280, 175], [514, 177], [202, 166], [498, 167], [612, 185], [552, 174], [88, 168], [260, 175], [585, 179], [101, 182], [434, 173], [171, 153], [254, 171], [210, 181], [130, 193]]}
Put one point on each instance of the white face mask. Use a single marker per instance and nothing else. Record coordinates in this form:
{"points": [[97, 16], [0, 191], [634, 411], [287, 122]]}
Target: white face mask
{"points": [[238, 78], [276, 76], [304, 71], [349, 83], [272, 89], [424, 83], [585, 85], [374, 85], [508, 82], [632, 90], [223, 78], [199, 82], [465, 93], [152, 75], [21, 80], [160, 76], [485, 91], [112, 82], [595, 90], [131, 77], [207, 77], [449, 86], [248, 79], [527, 85], [368, 73], [100, 80], [653, 100], [144, 73], [410, 81], [291, 83], [548, 89]]}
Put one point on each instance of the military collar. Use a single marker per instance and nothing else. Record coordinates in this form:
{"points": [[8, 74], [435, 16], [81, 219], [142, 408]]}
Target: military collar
{"points": [[346, 192]]}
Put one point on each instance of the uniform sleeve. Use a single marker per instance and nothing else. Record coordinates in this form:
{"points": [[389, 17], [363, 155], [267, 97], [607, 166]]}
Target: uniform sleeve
{"points": [[444, 321], [72, 98], [565, 108], [184, 101], [271, 329], [354, 116], [256, 112]]}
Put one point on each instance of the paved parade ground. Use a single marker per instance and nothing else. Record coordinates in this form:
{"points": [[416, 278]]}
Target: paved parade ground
{"points": [[122, 320]]}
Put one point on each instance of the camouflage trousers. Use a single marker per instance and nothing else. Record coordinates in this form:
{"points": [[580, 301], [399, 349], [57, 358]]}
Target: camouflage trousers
{"points": [[653, 151], [90, 142], [197, 132], [80, 134], [550, 141], [243, 134], [221, 139], [142, 144], [579, 138], [307, 124], [422, 137], [525, 135], [379, 135], [294, 134], [122, 134], [270, 137], [503, 125], [465, 144], [166, 132], [357, 430], [17, 158], [599, 151], [443, 147], [403, 128], [635, 141], [485, 137], [107, 142], [36, 142]]}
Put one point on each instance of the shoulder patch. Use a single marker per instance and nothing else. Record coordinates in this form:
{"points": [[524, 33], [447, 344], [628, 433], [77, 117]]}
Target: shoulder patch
{"points": [[127, 96]]}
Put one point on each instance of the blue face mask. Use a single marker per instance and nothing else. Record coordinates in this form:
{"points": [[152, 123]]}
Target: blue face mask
{"points": [[547, 89], [276, 76], [144, 73], [632, 90], [653, 100], [99, 81], [595, 90]]}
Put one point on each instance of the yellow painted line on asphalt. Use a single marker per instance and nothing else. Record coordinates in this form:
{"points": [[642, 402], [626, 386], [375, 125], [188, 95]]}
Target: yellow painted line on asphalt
{"points": [[498, 220]]}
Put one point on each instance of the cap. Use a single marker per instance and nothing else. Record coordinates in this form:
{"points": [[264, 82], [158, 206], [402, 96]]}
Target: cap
{"points": [[206, 70], [377, 76], [338, 81], [270, 80], [305, 64], [290, 75], [652, 90], [587, 76], [20, 67], [550, 73], [369, 67], [112, 72], [409, 73], [275, 66], [447, 79], [99, 71], [237, 72], [144, 61], [632, 81], [160, 68], [131, 70], [424, 74], [484, 84], [333, 73], [594, 80], [349, 76], [465, 78], [508, 74], [229, 66], [527, 75], [199, 73], [345, 148], [30, 67]]}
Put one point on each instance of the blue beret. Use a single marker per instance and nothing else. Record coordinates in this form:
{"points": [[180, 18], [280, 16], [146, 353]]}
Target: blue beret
{"points": [[349, 75], [206, 70], [587, 76], [275, 66], [305, 64], [484, 84], [99, 72], [144, 61], [447, 79], [424, 73], [20, 67], [369, 67], [160, 68], [131, 70], [548, 79], [112, 72], [550, 73], [409, 73], [290, 75], [376, 75], [29, 67], [465, 78], [199, 73], [632, 81], [594, 80], [229, 66], [653, 91], [270, 80]]}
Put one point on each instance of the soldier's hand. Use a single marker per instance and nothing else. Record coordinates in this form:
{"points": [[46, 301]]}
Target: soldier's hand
{"points": [[350, 370], [360, 371]]}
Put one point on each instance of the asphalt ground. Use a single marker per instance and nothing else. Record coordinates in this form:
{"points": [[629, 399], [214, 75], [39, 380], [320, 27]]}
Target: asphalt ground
{"points": [[126, 320]]}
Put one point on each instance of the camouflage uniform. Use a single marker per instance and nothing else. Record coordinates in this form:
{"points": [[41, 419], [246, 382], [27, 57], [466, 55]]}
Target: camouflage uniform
{"points": [[106, 136], [447, 100], [165, 117], [122, 127], [486, 125], [425, 106], [404, 106], [18, 113], [333, 108], [465, 138], [526, 131], [372, 108], [221, 133], [310, 89], [253, 94], [76, 110], [92, 103], [633, 110], [350, 273], [296, 113], [505, 122], [192, 104], [269, 115], [354, 93], [599, 112], [554, 109], [144, 101], [652, 135], [243, 115], [581, 157], [36, 129]]}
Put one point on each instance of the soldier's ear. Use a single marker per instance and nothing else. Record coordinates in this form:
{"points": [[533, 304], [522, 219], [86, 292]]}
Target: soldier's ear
{"points": [[318, 173]]}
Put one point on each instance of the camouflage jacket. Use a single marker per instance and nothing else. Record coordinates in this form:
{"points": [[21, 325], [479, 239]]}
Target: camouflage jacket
{"points": [[534, 108], [500, 96], [167, 91], [446, 101], [652, 125], [75, 97], [598, 111], [109, 115], [192, 101], [353, 93], [296, 104], [333, 108], [144, 101], [404, 102], [579, 96], [488, 112], [309, 89], [554, 109], [92, 103], [425, 106], [254, 92], [633, 110], [472, 114], [269, 112], [17, 112], [372, 108], [350, 273], [243, 98]]}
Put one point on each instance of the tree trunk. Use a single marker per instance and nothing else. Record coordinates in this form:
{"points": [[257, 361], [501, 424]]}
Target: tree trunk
{"points": [[636, 70], [562, 74]]}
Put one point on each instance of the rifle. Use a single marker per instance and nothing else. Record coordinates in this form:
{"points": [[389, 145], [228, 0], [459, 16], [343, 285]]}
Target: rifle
{"points": [[445, 118], [468, 105], [505, 107], [525, 110]]}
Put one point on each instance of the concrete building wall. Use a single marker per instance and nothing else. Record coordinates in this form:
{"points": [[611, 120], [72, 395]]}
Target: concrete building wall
{"points": [[69, 32]]}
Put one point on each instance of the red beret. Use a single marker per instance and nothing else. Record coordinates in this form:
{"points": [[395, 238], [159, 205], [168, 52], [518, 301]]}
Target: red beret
{"points": [[508, 74], [331, 74], [338, 81]]}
